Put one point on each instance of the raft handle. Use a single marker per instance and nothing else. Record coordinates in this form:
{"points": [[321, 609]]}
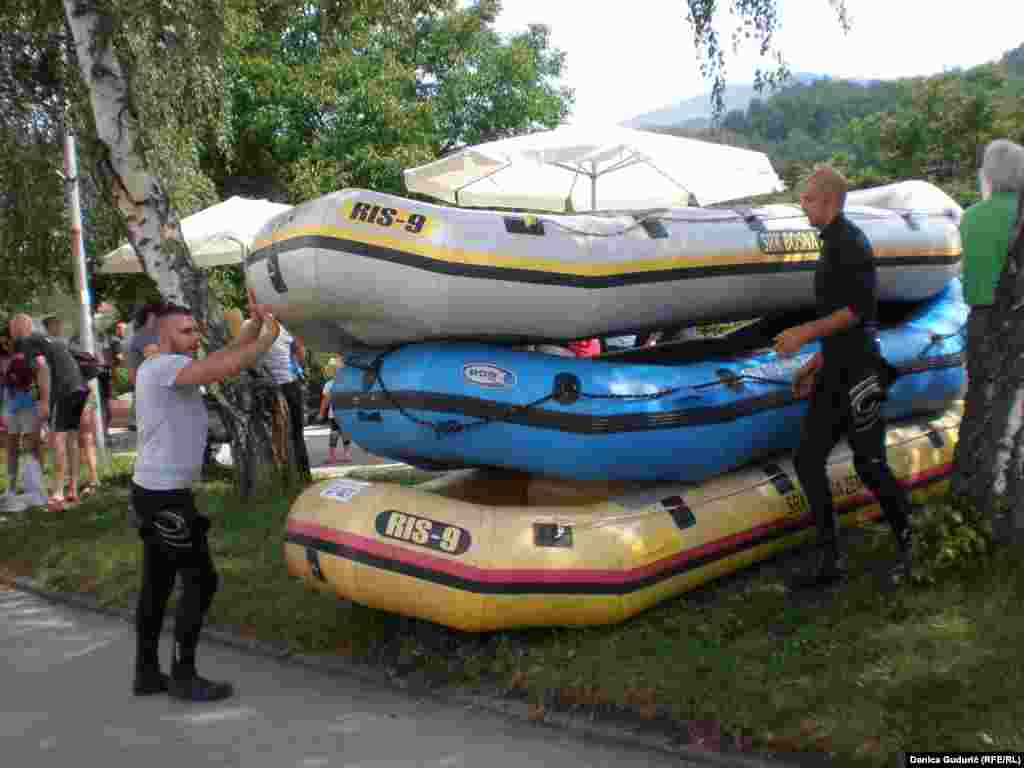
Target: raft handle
{"points": [[525, 226], [566, 390], [274, 271], [552, 535]]}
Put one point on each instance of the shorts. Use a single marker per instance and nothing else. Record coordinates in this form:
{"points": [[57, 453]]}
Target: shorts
{"points": [[66, 413], [23, 422]]}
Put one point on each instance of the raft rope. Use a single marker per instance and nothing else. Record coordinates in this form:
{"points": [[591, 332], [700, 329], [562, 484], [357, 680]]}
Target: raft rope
{"points": [[452, 427], [658, 214], [704, 502]]}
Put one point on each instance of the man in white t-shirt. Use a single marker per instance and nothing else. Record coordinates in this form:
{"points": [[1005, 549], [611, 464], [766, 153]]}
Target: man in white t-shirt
{"points": [[172, 426]]}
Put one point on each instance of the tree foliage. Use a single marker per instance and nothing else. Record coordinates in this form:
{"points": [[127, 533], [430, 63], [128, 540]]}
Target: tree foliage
{"points": [[756, 22], [33, 233], [311, 111]]}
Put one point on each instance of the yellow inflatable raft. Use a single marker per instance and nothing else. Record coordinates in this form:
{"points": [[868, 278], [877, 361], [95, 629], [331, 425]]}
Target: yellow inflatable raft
{"points": [[484, 550]]}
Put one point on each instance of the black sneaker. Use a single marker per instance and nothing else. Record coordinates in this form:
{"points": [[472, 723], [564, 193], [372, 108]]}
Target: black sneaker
{"points": [[200, 689], [148, 683]]}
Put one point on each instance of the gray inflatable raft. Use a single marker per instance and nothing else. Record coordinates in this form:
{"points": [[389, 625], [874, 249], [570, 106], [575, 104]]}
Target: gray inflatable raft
{"points": [[358, 268]]}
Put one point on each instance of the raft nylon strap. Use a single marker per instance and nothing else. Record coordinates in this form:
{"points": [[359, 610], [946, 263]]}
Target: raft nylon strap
{"points": [[452, 427], [441, 428], [770, 479]]}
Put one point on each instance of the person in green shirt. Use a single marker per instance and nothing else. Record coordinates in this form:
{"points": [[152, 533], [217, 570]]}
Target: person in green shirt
{"points": [[985, 232]]}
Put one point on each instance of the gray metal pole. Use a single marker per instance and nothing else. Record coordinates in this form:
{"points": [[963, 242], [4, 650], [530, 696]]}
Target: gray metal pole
{"points": [[593, 185], [82, 280]]}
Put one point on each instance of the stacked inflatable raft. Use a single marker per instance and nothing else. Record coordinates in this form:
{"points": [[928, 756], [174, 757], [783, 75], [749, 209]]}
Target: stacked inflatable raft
{"points": [[482, 550], [596, 487]]}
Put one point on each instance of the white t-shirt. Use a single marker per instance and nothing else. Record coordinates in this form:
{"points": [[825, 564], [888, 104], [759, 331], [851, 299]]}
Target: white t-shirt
{"points": [[279, 358], [172, 423], [328, 388]]}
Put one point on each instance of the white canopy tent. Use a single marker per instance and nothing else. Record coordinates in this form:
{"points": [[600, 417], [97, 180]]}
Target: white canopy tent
{"points": [[584, 168], [220, 234]]}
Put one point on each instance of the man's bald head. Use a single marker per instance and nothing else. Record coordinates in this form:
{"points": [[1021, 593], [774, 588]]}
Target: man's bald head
{"points": [[21, 327], [832, 183]]}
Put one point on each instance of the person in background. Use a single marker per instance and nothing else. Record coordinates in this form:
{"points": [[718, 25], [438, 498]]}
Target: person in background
{"points": [[279, 361], [846, 380], [62, 398], [113, 354], [53, 326], [327, 413], [172, 426], [985, 233], [145, 339], [20, 417], [86, 432]]}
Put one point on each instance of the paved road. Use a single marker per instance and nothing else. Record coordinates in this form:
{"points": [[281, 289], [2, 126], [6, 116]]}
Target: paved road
{"points": [[316, 443], [65, 701]]}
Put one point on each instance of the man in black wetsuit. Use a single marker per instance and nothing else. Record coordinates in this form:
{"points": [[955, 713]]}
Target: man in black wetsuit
{"points": [[846, 380]]}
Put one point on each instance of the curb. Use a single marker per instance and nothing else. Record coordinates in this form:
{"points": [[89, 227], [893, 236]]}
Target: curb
{"points": [[513, 709]]}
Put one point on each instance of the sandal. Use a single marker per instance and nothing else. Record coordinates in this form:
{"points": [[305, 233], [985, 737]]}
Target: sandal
{"points": [[56, 503], [88, 490]]}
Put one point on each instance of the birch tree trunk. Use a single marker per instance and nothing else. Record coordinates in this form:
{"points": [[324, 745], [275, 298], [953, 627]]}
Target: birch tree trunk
{"points": [[990, 455], [246, 405]]}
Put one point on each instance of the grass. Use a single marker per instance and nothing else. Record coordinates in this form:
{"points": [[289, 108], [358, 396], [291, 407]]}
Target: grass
{"points": [[846, 677]]}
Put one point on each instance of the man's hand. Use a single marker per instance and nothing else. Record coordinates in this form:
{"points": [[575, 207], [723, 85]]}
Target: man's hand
{"points": [[262, 315], [803, 381], [790, 341], [257, 310]]}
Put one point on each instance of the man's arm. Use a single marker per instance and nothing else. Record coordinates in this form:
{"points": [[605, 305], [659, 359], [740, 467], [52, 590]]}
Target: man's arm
{"points": [[229, 361], [248, 333], [830, 325], [43, 380], [792, 339]]}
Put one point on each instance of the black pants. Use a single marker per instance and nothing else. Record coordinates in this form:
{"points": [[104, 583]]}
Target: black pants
{"points": [[292, 392], [173, 544], [837, 407]]}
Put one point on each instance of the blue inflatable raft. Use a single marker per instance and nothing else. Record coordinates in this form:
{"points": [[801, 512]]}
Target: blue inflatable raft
{"points": [[683, 411]]}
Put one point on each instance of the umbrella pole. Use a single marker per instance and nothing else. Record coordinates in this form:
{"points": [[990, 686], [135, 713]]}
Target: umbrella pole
{"points": [[593, 185]]}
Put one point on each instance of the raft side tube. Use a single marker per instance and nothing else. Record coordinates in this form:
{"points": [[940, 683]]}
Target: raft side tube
{"points": [[574, 553]]}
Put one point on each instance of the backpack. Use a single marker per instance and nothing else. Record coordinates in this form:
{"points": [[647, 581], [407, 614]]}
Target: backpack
{"points": [[90, 365], [19, 373]]}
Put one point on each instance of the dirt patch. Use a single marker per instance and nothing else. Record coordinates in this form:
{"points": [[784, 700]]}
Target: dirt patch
{"points": [[14, 569]]}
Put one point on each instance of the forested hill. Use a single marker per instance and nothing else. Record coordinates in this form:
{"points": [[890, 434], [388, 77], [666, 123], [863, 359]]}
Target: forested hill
{"points": [[928, 127]]}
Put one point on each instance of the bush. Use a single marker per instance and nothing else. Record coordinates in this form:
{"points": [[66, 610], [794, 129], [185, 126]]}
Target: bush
{"points": [[950, 535]]}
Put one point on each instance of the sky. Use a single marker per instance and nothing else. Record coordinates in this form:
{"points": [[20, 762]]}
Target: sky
{"points": [[625, 59]]}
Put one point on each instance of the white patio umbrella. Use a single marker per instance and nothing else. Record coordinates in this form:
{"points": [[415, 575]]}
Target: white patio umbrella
{"points": [[578, 168], [216, 235]]}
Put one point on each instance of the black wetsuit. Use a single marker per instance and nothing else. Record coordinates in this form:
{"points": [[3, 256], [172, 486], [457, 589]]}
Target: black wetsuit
{"points": [[849, 388]]}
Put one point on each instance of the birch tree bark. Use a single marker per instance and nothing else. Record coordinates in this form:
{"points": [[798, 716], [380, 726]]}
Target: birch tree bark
{"points": [[1004, 451], [990, 461], [246, 405]]}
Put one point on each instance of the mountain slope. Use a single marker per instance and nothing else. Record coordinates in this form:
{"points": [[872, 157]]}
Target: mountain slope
{"points": [[695, 112]]}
